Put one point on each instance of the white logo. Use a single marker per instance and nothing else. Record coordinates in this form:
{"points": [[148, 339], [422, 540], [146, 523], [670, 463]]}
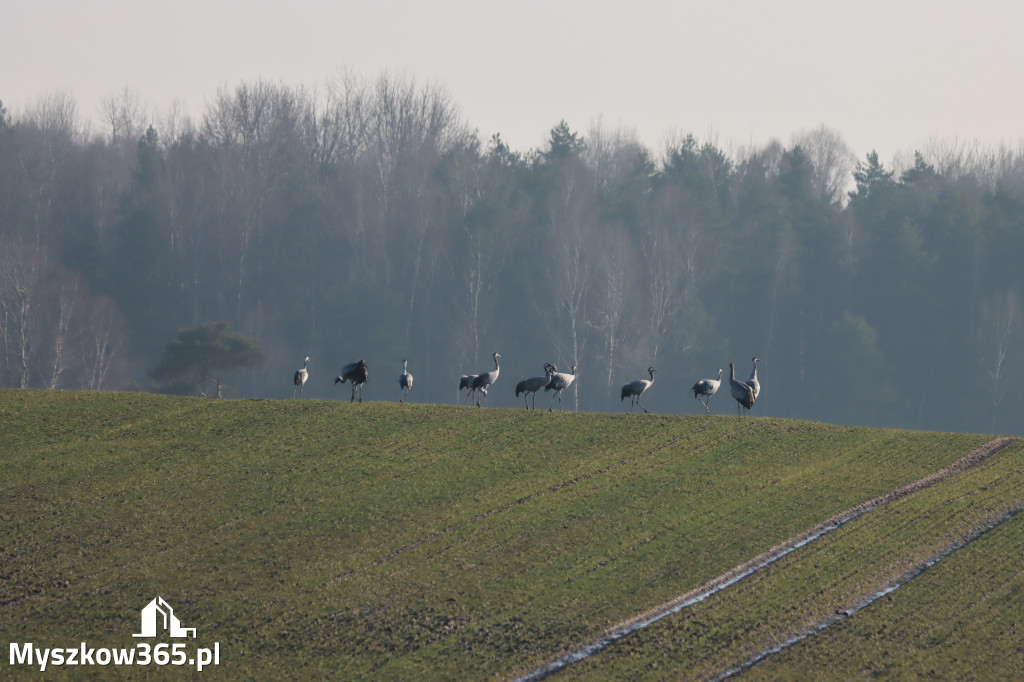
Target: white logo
{"points": [[170, 622], [143, 653]]}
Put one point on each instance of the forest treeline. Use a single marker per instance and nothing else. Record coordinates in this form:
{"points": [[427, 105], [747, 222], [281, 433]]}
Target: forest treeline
{"points": [[367, 219]]}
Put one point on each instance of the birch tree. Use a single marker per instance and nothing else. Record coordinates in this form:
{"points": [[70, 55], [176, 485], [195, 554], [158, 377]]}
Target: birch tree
{"points": [[22, 280]]}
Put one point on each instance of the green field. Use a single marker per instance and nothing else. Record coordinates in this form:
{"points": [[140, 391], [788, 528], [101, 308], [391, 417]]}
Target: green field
{"points": [[318, 539]]}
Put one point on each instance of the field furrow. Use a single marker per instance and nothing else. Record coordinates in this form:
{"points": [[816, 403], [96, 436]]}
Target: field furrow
{"points": [[837, 578]]}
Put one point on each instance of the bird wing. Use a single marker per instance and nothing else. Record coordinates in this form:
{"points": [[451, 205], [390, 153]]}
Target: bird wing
{"points": [[634, 388], [485, 379], [356, 372], [560, 381], [743, 393]]}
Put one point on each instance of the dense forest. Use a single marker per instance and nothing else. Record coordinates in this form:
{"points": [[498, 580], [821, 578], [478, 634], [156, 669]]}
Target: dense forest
{"points": [[366, 218]]}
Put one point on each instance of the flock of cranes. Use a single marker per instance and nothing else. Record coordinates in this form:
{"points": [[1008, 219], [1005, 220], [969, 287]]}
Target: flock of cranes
{"points": [[553, 380], [744, 392], [357, 373]]}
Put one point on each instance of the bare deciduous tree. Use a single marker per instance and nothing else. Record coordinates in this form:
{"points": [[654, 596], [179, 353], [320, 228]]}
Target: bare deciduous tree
{"points": [[22, 273], [125, 115], [611, 299], [832, 159], [65, 305], [999, 337], [572, 252], [101, 345]]}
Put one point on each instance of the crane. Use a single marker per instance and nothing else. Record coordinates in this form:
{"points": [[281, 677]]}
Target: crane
{"points": [[405, 380], [534, 384], [301, 375], [707, 388], [485, 380], [635, 389], [559, 382], [752, 381], [742, 392], [466, 382], [356, 372]]}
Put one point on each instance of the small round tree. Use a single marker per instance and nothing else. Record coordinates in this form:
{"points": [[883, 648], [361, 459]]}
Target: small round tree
{"points": [[205, 355]]}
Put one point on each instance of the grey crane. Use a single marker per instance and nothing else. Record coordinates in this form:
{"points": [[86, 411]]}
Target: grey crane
{"points": [[752, 381], [483, 381], [635, 389], [356, 372], [534, 384], [741, 391], [405, 380], [466, 382], [705, 388], [559, 382], [301, 375]]}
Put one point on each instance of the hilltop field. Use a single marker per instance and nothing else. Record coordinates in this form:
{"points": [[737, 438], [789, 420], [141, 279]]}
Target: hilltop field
{"points": [[317, 539]]}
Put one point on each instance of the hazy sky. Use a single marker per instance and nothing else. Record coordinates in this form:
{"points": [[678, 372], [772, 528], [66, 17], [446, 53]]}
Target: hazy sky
{"points": [[887, 74]]}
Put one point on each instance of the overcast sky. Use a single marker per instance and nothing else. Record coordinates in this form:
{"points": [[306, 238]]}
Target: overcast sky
{"points": [[887, 74]]}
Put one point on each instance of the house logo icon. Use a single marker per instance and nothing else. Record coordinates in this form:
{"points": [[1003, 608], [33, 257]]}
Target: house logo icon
{"points": [[158, 611]]}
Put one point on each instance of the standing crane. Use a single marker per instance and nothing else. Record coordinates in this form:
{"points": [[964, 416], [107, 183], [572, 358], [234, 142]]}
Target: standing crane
{"points": [[559, 382], [635, 389], [466, 382], [742, 392], [356, 372], [752, 381], [483, 381], [405, 380], [707, 388], [301, 375], [534, 384]]}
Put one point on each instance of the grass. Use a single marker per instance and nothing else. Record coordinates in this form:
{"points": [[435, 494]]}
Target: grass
{"points": [[319, 539]]}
